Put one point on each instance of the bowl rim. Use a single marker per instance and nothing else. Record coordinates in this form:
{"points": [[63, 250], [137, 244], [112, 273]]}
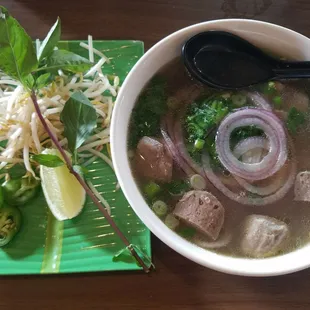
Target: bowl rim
{"points": [[219, 262]]}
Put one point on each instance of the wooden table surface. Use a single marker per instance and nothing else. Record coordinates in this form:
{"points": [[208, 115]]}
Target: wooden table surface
{"points": [[177, 283]]}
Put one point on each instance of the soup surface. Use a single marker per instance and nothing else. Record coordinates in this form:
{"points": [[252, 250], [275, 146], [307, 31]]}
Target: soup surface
{"points": [[229, 171]]}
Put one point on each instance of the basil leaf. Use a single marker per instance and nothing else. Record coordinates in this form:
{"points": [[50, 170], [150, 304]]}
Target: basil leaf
{"points": [[67, 61], [50, 41], [79, 119], [29, 81], [43, 80], [124, 255], [48, 160], [17, 54]]}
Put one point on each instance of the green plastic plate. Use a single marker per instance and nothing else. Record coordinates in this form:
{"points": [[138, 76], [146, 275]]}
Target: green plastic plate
{"points": [[86, 243]]}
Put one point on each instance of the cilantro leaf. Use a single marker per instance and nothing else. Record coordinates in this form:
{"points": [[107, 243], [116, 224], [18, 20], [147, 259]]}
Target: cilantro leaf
{"points": [[295, 119]]}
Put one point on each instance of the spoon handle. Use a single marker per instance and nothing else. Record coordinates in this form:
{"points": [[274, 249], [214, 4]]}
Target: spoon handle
{"points": [[292, 70]]}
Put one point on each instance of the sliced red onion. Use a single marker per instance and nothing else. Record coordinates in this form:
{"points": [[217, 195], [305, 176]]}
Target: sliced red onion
{"points": [[203, 241], [275, 133], [275, 184], [173, 150], [260, 201], [261, 190], [252, 149], [249, 144], [169, 123], [179, 143], [253, 156], [258, 100]]}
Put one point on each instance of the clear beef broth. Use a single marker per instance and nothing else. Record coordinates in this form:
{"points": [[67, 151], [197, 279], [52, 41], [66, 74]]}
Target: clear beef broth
{"points": [[181, 89]]}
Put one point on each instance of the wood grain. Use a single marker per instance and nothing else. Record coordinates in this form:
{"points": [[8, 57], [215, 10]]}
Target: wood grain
{"points": [[177, 283]]}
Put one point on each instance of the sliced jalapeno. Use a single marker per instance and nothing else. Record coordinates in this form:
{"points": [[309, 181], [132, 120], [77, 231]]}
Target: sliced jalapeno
{"points": [[19, 191], [10, 222]]}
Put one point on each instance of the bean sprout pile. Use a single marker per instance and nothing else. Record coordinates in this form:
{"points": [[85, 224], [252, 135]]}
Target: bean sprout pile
{"points": [[21, 132]]}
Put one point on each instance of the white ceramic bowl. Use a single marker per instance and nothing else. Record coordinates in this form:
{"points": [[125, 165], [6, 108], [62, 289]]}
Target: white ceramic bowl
{"points": [[279, 40]]}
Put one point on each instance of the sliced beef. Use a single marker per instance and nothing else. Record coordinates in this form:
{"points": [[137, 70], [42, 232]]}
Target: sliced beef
{"points": [[153, 161], [302, 186], [201, 210], [263, 236]]}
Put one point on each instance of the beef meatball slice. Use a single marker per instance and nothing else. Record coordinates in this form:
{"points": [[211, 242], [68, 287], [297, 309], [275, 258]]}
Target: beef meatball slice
{"points": [[201, 210], [263, 236], [302, 186], [153, 160]]}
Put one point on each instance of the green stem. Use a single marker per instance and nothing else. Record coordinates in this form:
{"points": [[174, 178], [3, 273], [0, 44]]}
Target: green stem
{"points": [[85, 186]]}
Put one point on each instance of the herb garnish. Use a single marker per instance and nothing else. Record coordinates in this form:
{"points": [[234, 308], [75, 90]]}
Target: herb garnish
{"points": [[295, 119], [19, 60]]}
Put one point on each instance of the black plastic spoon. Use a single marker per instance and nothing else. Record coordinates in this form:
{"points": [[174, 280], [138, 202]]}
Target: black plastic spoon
{"points": [[223, 60]]}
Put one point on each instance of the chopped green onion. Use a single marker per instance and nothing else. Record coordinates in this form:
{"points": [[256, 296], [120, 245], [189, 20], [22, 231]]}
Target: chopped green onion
{"points": [[270, 88], [187, 232], [277, 100], [151, 190], [160, 208], [198, 182], [295, 119], [238, 100], [171, 221], [177, 188], [199, 143]]}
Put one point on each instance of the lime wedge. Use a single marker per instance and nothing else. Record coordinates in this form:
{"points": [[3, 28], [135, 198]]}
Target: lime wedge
{"points": [[63, 193]]}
